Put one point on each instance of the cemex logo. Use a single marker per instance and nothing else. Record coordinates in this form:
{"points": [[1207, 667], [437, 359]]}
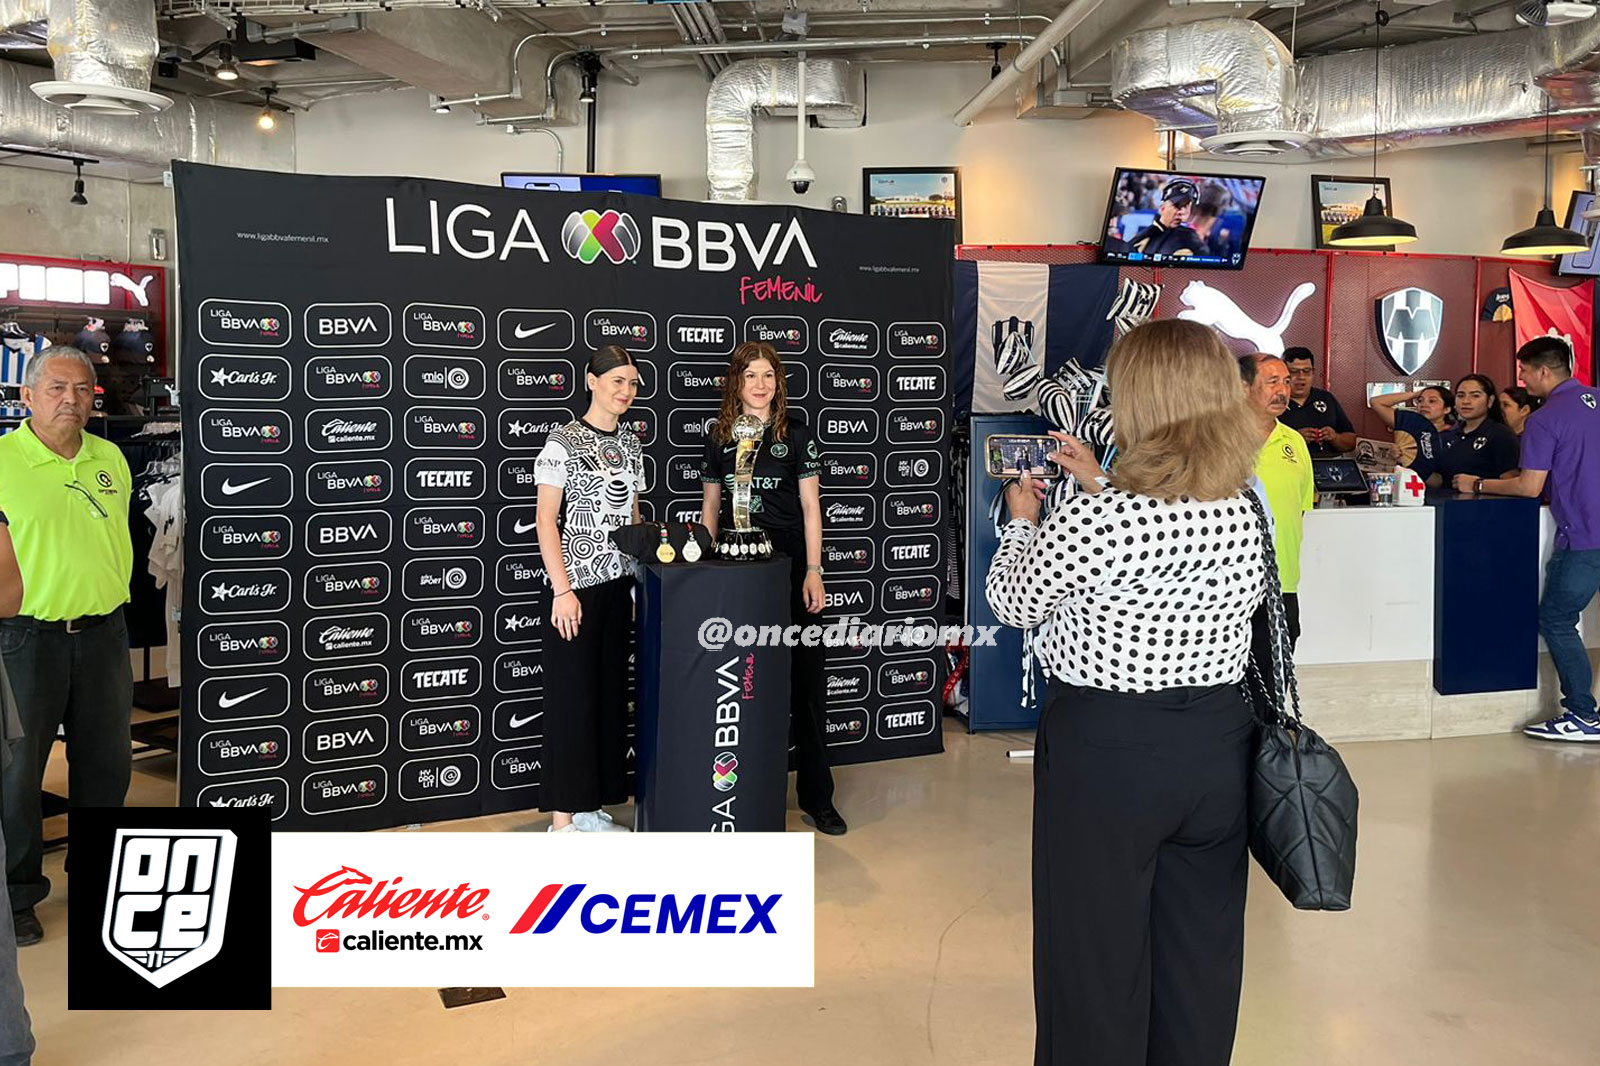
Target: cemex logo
{"points": [[723, 913], [183, 893], [587, 235]]}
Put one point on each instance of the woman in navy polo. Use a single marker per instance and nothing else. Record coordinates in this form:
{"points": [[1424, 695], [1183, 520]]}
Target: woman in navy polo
{"points": [[1480, 443]]}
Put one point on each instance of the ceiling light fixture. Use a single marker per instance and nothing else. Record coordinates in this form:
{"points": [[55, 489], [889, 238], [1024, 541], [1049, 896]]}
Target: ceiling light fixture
{"points": [[226, 69], [1376, 228], [77, 186], [438, 105], [994, 46], [265, 121], [1544, 237]]}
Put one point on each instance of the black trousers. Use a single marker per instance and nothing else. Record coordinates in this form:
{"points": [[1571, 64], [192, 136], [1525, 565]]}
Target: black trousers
{"points": [[813, 774], [82, 681], [1139, 873], [585, 752], [1261, 647]]}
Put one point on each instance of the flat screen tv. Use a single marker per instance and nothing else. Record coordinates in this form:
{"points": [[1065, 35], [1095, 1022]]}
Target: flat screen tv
{"points": [[1586, 263], [1157, 218], [641, 184]]}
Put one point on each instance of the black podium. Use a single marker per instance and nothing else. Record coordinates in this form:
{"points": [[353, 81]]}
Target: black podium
{"points": [[713, 725]]}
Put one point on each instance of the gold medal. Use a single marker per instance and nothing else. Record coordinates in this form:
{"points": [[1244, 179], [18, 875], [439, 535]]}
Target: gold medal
{"points": [[664, 550], [691, 549]]}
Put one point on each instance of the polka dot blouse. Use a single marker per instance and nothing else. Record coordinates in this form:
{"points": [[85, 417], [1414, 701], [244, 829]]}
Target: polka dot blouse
{"points": [[1139, 595]]}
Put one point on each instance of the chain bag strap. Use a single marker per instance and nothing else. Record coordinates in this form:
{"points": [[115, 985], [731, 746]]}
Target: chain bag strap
{"points": [[1303, 804]]}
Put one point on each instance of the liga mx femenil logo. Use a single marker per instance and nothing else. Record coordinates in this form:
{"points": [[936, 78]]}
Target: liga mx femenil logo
{"points": [[587, 235], [722, 771], [167, 899]]}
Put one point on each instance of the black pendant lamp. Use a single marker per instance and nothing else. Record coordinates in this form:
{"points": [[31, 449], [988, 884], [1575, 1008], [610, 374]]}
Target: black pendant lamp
{"points": [[1375, 228], [1544, 237]]}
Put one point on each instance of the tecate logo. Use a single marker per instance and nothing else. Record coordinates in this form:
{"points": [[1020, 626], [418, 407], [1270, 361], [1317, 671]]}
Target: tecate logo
{"points": [[349, 893], [656, 913]]}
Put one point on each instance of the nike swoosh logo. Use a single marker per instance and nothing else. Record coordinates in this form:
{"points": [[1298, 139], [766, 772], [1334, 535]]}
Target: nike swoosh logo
{"points": [[518, 723], [520, 528], [230, 489], [226, 701], [524, 334]]}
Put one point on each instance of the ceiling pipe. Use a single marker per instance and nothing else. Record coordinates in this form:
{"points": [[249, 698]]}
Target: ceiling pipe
{"points": [[815, 44], [1022, 64]]}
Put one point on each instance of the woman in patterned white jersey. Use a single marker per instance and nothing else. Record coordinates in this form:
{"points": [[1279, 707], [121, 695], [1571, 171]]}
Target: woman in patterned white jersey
{"points": [[1144, 587], [589, 474]]}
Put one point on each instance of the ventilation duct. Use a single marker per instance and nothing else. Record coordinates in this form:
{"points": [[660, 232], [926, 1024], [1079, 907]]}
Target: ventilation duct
{"points": [[102, 50], [1228, 80], [22, 24], [1224, 80], [835, 96], [201, 131]]}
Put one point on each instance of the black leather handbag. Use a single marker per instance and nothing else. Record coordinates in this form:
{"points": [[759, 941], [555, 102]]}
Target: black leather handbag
{"points": [[1303, 803]]}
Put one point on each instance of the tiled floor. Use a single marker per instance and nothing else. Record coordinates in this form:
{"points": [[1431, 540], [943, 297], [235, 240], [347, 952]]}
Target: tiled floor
{"points": [[1474, 942]]}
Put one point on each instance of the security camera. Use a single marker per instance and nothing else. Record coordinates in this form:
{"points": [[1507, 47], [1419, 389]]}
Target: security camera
{"points": [[801, 176]]}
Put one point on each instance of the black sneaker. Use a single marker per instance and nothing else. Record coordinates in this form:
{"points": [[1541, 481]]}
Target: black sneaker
{"points": [[827, 821], [26, 923]]}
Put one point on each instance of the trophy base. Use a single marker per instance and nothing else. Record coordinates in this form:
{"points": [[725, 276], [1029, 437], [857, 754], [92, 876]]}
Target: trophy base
{"points": [[744, 545]]}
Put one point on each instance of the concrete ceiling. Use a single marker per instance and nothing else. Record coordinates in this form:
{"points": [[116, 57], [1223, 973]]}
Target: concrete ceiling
{"points": [[461, 52]]}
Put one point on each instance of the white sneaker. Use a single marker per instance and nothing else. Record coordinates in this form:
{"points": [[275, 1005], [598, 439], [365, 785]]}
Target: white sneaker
{"points": [[596, 822], [570, 827]]}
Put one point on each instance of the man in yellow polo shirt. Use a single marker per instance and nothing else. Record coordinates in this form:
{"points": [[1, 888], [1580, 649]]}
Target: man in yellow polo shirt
{"points": [[1284, 468], [66, 495]]}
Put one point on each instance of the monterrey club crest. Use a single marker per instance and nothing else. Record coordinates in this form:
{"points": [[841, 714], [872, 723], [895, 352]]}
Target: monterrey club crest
{"points": [[1409, 323], [167, 899]]}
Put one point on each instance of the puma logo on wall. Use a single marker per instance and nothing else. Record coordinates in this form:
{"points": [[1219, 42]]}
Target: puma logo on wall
{"points": [[1212, 307]]}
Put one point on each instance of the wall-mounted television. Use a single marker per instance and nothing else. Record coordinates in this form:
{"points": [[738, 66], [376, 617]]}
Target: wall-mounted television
{"points": [[640, 184], [1161, 218], [1586, 263]]}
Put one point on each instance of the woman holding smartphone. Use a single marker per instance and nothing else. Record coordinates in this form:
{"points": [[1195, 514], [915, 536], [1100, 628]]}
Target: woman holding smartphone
{"points": [[589, 474], [786, 502]]}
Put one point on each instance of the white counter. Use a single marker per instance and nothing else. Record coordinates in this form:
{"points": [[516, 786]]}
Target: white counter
{"points": [[1365, 656]]}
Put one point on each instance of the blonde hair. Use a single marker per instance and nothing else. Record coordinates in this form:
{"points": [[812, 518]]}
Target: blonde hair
{"points": [[1183, 424]]}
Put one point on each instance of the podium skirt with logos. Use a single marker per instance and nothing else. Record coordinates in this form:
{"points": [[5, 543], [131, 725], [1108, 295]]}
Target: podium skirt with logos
{"points": [[586, 703]]}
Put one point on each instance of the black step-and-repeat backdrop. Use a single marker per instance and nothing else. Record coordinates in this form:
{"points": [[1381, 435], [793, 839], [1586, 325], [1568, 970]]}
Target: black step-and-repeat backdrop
{"points": [[370, 366]]}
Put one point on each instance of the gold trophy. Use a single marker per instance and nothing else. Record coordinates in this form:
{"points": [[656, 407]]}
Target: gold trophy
{"points": [[744, 540]]}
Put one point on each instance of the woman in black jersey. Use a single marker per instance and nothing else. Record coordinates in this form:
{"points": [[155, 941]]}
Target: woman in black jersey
{"points": [[786, 502]]}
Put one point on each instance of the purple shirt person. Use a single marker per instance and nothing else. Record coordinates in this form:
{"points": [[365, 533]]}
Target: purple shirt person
{"points": [[1561, 447]]}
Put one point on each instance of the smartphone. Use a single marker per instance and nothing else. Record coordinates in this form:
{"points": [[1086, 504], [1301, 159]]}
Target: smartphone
{"points": [[1009, 454]]}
